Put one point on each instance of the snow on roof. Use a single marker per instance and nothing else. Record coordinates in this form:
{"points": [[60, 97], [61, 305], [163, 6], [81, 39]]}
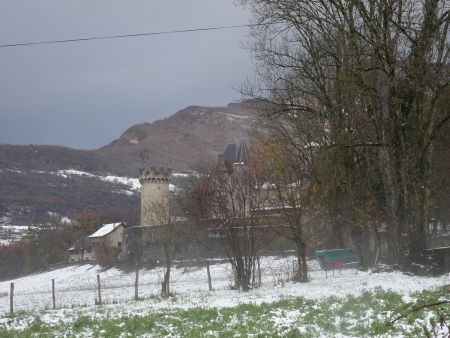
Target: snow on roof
{"points": [[105, 229]]}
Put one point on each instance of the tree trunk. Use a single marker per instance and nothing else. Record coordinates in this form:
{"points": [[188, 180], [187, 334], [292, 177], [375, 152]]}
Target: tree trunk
{"points": [[388, 166], [242, 276], [419, 231], [391, 197], [338, 239], [304, 266], [166, 281], [302, 269]]}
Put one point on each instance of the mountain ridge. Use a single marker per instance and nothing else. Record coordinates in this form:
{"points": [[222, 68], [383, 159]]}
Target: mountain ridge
{"points": [[30, 186], [191, 134]]}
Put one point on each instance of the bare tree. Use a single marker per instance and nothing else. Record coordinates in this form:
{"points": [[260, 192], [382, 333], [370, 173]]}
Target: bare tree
{"points": [[373, 75], [290, 192], [161, 212], [236, 193]]}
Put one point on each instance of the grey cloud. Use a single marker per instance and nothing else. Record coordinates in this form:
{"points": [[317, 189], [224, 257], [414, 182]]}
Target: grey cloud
{"points": [[85, 94]]}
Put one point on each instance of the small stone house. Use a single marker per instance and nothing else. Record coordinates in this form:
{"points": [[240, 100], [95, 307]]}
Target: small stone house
{"points": [[108, 236]]}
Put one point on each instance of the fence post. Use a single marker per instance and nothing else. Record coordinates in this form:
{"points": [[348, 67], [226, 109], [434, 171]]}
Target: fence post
{"points": [[376, 257], [53, 294], [11, 299], [163, 289], [99, 291], [209, 276], [259, 272], [254, 275], [136, 284]]}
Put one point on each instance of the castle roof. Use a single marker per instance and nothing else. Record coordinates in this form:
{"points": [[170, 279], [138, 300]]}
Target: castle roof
{"points": [[106, 229], [236, 154]]}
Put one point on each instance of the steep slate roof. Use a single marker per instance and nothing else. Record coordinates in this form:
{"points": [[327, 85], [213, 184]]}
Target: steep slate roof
{"points": [[242, 154], [236, 153], [106, 229]]}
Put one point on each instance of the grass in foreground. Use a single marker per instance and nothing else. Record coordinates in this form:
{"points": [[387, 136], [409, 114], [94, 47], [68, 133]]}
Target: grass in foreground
{"points": [[362, 316]]}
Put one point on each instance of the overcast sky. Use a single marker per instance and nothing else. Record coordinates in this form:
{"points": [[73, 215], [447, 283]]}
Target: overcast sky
{"points": [[85, 94]]}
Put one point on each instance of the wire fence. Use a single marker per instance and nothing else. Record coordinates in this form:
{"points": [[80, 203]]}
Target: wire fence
{"points": [[84, 285]]}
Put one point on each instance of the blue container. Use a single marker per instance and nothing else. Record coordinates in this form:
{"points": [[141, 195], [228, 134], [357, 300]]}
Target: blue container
{"points": [[336, 259]]}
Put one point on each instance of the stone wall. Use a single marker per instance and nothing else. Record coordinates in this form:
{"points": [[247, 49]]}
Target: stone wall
{"points": [[154, 195], [147, 244], [199, 242]]}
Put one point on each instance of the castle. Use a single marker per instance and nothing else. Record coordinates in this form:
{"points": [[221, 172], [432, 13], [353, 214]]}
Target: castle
{"points": [[145, 241], [154, 195]]}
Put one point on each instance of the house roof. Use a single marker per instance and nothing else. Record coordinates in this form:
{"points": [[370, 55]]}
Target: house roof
{"points": [[106, 229]]}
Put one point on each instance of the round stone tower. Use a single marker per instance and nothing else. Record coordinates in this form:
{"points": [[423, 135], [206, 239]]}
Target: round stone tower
{"points": [[154, 195]]}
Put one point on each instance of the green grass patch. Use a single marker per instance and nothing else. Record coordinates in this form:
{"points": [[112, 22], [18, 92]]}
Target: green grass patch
{"points": [[359, 316]]}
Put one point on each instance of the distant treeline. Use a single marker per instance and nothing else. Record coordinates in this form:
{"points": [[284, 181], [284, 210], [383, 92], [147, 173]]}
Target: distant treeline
{"points": [[27, 197], [48, 244]]}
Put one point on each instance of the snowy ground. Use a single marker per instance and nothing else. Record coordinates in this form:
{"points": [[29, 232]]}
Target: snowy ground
{"points": [[76, 288]]}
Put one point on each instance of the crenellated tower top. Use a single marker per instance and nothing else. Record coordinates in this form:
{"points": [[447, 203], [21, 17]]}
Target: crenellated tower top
{"points": [[154, 175]]}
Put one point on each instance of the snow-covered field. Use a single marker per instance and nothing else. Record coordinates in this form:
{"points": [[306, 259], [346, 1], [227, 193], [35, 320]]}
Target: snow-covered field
{"points": [[76, 288]]}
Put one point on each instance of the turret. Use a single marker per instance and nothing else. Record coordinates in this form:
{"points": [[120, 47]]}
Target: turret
{"points": [[154, 195]]}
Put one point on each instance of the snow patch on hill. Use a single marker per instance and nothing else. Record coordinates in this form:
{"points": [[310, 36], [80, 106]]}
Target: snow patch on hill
{"points": [[132, 183]]}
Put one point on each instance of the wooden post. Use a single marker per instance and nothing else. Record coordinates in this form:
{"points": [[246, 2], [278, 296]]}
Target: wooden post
{"points": [[11, 299], [253, 275], [259, 272], [99, 291], [163, 289], [209, 276], [136, 285], [53, 294], [376, 257]]}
